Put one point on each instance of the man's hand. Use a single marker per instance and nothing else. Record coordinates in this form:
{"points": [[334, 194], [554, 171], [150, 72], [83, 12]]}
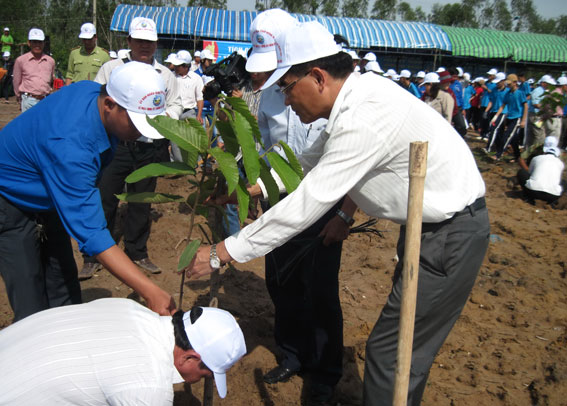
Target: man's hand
{"points": [[161, 302], [200, 266], [200, 119], [334, 231]]}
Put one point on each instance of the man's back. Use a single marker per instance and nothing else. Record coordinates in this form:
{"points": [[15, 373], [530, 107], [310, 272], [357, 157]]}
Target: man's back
{"points": [[110, 351]]}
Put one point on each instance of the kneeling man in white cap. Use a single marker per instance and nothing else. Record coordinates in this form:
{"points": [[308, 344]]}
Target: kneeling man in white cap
{"points": [[114, 352]]}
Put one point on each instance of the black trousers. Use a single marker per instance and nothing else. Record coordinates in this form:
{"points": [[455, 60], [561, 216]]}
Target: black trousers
{"points": [[459, 123], [532, 195], [304, 287], [127, 158], [450, 257], [36, 261]]}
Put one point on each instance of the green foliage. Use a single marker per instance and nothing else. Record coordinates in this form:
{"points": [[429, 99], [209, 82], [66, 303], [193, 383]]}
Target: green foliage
{"points": [[160, 169], [207, 3], [355, 8], [240, 132], [384, 9], [188, 254]]}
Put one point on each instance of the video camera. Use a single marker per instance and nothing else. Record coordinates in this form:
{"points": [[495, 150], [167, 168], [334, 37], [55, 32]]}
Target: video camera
{"points": [[229, 74]]}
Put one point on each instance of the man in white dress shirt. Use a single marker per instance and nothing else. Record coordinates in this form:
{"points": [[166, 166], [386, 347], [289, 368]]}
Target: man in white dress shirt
{"points": [[114, 352], [364, 154]]}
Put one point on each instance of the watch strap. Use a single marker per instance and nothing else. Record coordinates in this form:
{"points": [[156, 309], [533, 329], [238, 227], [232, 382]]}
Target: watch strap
{"points": [[345, 217]]}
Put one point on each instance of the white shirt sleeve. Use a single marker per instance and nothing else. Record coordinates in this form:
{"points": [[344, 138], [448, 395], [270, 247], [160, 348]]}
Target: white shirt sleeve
{"points": [[142, 397]]}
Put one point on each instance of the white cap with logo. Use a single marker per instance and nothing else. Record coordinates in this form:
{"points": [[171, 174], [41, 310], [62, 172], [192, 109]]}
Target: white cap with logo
{"points": [[143, 28], [420, 74], [293, 49], [217, 338], [138, 88], [182, 57], [36, 34], [88, 30], [405, 74], [548, 79], [263, 32]]}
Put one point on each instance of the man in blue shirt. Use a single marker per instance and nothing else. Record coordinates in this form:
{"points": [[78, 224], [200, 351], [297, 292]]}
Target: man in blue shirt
{"points": [[515, 102], [457, 88], [407, 84], [496, 99], [52, 157]]}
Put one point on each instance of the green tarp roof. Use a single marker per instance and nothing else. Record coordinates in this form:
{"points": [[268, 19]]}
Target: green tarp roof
{"points": [[518, 46]]}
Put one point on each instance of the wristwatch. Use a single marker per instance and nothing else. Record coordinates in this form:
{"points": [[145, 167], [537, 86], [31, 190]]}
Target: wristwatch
{"points": [[214, 260], [345, 217]]}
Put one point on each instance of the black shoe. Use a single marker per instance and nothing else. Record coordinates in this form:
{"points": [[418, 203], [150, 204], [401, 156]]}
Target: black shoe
{"points": [[279, 374]]}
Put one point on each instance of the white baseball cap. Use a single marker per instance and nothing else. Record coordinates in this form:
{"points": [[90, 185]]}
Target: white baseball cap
{"points": [[370, 56], [460, 71], [6, 54], [263, 32], [88, 30], [373, 66], [550, 146], [36, 34], [138, 88], [492, 71], [354, 55], [216, 337], [143, 28], [500, 76], [431, 77], [170, 58], [467, 76], [420, 74], [182, 57], [197, 54], [405, 74], [123, 53], [548, 79], [562, 81], [207, 54], [441, 69], [6, 29], [113, 54], [305, 42], [391, 73]]}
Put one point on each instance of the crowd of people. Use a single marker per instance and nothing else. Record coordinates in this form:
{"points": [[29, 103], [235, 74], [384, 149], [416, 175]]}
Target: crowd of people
{"points": [[349, 122]]}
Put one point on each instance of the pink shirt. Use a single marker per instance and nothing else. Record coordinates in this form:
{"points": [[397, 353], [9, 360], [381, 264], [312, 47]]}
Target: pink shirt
{"points": [[32, 75]]}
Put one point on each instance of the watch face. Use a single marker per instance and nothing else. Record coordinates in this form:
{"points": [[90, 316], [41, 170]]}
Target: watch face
{"points": [[215, 263]]}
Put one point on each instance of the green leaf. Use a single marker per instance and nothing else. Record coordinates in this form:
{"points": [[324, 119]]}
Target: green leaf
{"points": [[284, 170], [188, 254], [228, 136], [250, 157], [269, 183], [228, 167], [292, 159], [160, 169], [149, 197], [243, 198], [240, 105], [189, 135]]}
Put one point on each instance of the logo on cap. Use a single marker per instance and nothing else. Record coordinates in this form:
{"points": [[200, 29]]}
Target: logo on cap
{"points": [[157, 100], [260, 39], [144, 25]]}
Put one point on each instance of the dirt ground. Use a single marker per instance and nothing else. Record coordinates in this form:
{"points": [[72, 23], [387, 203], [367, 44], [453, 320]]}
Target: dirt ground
{"points": [[508, 347]]}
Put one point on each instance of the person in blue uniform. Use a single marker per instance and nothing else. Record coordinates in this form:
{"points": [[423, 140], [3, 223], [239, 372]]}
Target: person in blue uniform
{"points": [[52, 157]]}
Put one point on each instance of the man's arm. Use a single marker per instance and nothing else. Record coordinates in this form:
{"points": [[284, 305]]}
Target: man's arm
{"points": [[17, 78], [337, 229], [524, 116], [200, 105], [70, 71], [497, 113], [116, 261]]}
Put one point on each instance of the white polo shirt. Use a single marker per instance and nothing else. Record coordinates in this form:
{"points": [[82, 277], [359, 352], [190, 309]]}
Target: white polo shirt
{"points": [[364, 152], [106, 352], [545, 174], [191, 89]]}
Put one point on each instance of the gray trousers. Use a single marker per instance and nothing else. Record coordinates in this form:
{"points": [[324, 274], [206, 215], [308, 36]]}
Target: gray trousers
{"points": [[451, 255], [175, 150]]}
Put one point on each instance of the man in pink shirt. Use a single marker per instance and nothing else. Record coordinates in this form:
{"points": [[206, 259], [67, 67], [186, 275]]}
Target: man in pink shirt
{"points": [[33, 72]]}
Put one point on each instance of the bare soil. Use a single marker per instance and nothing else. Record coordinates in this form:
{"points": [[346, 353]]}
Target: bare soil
{"points": [[509, 347]]}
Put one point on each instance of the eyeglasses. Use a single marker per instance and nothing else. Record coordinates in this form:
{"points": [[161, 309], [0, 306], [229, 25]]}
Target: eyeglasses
{"points": [[287, 88]]}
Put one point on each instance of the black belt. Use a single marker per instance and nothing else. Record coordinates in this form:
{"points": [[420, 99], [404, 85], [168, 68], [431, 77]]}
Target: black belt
{"points": [[471, 209]]}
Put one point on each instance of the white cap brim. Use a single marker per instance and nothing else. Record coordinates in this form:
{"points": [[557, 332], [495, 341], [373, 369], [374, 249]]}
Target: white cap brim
{"points": [[86, 36], [277, 75], [262, 61], [141, 123], [220, 382]]}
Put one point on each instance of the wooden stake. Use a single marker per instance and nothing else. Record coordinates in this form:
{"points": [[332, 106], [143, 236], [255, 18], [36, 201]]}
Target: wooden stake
{"points": [[417, 170]]}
